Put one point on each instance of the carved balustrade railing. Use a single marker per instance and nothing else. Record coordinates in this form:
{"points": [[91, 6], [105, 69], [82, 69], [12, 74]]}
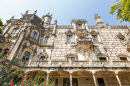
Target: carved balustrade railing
{"points": [[65, 63]]}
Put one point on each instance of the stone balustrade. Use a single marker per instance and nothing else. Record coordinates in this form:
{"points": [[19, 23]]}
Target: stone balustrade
{"points": [[65, 63]]}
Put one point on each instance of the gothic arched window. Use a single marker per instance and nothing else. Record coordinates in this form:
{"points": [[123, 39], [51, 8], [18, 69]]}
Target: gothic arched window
{"points": [[42, 58], [15, 30], [46, 39], [26, 56], [34, 35]]}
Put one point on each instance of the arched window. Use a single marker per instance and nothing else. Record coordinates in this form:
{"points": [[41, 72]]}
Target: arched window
{"points": [[42, 58], [26, 56], [34, 35], [46, 39], [15, 30]]}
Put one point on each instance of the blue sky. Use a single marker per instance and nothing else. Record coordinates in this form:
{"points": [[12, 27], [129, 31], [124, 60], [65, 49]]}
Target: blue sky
{"points": [[62, 10]]}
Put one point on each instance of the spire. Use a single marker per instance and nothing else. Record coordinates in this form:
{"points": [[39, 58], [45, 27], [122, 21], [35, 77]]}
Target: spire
{"points": [[26, 12], [35, 12]]}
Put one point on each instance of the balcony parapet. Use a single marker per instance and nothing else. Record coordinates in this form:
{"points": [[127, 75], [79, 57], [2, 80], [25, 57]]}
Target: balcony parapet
{"points": [[84, 40], [65, 63]]}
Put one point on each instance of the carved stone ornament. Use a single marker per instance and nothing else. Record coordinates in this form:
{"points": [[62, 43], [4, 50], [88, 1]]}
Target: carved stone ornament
{"points": [[120, 36], [69, 32], [128, 48]]}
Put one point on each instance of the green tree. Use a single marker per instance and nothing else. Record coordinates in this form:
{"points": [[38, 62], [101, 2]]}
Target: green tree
{"points": [[1, 24], [123, 10]]}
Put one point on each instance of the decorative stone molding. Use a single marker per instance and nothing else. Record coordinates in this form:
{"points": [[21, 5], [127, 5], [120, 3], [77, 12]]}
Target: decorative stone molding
{"points": [[128, 48], [120, 36]]}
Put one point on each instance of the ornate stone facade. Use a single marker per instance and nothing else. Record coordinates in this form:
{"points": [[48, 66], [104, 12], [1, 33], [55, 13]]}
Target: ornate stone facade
{"points": [[77, 54]]}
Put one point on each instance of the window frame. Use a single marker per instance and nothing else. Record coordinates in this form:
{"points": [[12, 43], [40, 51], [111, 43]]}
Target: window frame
{"points": [[15, 30], [34, 35], [79, 26], [69, 38], [95, 38], [46, 39], [25, 57], [42, 58]]}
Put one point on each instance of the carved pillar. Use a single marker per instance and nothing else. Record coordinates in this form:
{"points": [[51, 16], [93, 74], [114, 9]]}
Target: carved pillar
{"points": [[47, 79], [116, 73], [70, 79], [93, 73], [16, 46]]}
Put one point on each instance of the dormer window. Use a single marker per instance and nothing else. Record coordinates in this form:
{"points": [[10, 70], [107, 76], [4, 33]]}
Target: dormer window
{"points": [[71, 58], [34, 35], [102, 58], [69, 38], [42, 58], [123, 57], [46, 39], [15, 30], [95, 39], [79, 26]]}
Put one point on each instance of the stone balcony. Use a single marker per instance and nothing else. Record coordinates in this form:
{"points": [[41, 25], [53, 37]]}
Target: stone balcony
{"points": [[84, 43], [70, 63]]}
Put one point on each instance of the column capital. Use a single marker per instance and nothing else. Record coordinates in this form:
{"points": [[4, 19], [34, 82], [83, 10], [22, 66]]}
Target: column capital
{"points": [[48, 72], [93, 72]]}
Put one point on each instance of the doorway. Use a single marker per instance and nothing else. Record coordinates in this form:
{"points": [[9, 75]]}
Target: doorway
{"points": [[66, 82], [100, 81], [74, 81], [56, 82]]}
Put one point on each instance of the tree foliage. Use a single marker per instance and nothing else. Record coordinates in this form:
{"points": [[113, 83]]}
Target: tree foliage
{"points": [[123, 10], [18, 76], [1, 24]]}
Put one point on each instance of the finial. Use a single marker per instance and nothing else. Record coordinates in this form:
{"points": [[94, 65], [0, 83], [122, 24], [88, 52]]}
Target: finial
{"points": [[12, 17], [26, 12], [22, 14], [35, 12], [48, 13], [55, 21]]}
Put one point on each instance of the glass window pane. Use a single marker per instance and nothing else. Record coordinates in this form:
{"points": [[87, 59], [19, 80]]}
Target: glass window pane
{"points": [[34, 35], [42, 58], [72, 58], [69, 38], [15, 30], [27, 54], [46, 39], [79, 26]]}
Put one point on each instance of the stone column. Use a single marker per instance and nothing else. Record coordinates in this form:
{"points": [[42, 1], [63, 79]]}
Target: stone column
{"points": [[70, 79], [116, 73], [93, 73], [47, 78], [16, 46]]}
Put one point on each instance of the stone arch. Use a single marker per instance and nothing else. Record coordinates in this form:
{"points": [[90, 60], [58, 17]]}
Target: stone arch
{"points": [[15, 30], [84, 77], [124, 77], [36, 32], [12, 28], [47, 35], [108, 77], [28, 50]]}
